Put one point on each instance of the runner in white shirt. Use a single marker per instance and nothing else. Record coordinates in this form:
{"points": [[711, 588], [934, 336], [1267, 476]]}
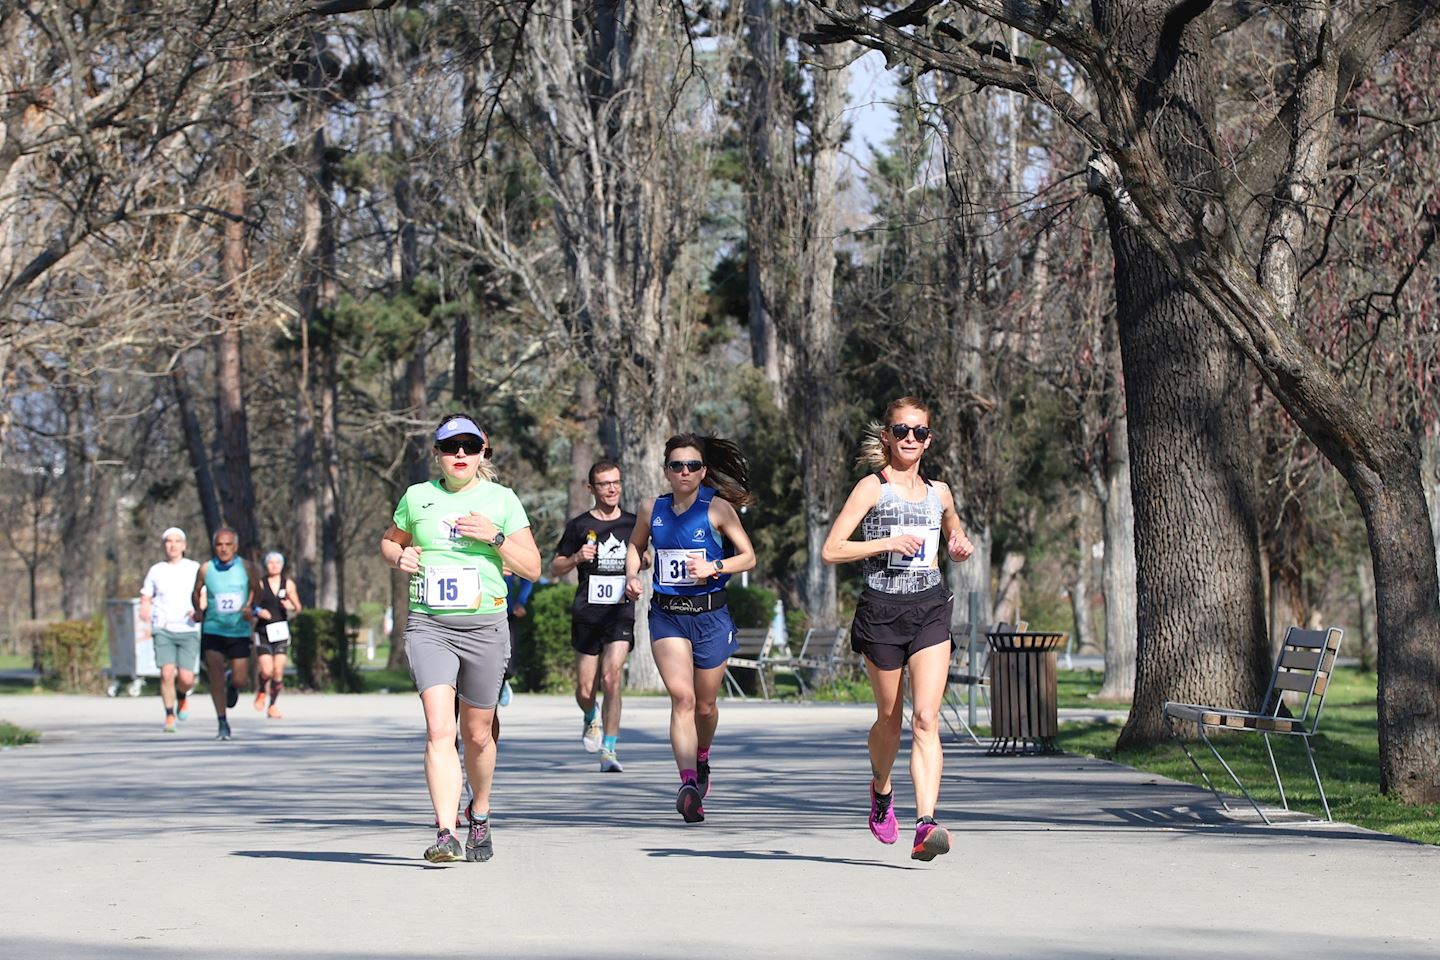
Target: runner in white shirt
{"points": [[166, 603]]}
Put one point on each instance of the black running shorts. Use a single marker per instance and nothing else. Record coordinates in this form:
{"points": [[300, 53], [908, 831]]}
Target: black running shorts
{"points": [[890, 627]]}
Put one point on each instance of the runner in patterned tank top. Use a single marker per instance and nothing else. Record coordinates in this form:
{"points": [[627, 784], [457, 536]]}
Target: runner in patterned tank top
{"points": [[903, 617]]}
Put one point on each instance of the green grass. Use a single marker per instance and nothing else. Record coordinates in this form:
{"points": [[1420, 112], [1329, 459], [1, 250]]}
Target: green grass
{"points": [[395, 681], [1347, 752], [16, 661], [13, 736]]}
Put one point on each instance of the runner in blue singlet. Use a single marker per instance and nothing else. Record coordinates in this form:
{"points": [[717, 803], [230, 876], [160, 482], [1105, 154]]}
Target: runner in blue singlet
{"points": [[691, 632]]}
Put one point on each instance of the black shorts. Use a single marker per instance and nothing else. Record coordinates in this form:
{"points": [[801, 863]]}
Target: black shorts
{"points": [[231, 648], [591, 638], [890, 627]]}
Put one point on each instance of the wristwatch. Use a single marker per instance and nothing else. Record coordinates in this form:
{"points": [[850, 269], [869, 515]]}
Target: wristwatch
{"points": [[499, 539], [719, 566]]}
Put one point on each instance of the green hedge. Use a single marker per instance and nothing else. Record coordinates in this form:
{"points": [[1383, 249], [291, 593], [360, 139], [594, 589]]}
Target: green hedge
{"points": [[545, 661], [751, 607], [72, 653], [320, 650]]}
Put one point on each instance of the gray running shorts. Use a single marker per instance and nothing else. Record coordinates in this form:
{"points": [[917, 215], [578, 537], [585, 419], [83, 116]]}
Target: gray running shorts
{"points": [[465, 651]]}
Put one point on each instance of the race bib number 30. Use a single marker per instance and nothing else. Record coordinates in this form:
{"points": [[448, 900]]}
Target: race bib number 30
{"points": [[451, 588], [926, 557], [670, 570], [606, 590], [229, 602]]}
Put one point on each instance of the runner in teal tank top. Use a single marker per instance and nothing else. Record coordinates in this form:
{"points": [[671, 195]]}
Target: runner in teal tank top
{"points": [[454, 536], [225, 591]]}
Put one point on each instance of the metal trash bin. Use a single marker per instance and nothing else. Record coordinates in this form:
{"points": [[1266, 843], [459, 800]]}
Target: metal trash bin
{"points": [[132, 648], [1024, 693]]}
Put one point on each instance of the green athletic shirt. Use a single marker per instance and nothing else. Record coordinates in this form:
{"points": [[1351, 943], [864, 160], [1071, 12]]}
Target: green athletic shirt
{"points": [[428, 512], [226, 593]]}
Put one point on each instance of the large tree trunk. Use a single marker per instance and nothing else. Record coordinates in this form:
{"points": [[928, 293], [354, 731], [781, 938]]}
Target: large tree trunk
{"points": [[768, 160], [1083, 636], [1200, 616], [1430, 480], [195, 448], [1365, 594], [583, 454], [814, 338], [237, 490], [1118, 517]]}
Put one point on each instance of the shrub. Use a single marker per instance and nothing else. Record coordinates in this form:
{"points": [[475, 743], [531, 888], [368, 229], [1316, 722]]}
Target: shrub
{"points": [[320, 649], [72, 653], [16, 736], [544, 658], [751, 607]]}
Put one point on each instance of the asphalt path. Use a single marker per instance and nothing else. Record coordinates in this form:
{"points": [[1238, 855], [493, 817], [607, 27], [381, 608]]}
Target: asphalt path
{"points": [[302, 838]]}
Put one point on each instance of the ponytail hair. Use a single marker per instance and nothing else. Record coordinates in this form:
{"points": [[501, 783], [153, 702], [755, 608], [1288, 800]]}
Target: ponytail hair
{"points": [[486, 469], [725, 466], [874, 455]]}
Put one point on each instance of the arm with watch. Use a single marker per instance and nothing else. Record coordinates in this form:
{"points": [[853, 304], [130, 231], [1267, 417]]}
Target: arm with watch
{"points": [[517, 549], [726, 520]]}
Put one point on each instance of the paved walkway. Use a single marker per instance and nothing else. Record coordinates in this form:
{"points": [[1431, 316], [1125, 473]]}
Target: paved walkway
{"points": [[301, 839]]}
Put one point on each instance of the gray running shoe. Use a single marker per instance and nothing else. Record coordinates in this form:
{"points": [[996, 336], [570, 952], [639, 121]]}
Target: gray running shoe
{"points": [[592, 735], [224, 731], [702, 777], [609, 763], [445, 849], [478, 845]]}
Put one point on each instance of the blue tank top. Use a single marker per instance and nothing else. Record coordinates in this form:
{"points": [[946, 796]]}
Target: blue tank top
{"points": [[226, 592], [677, 537]]}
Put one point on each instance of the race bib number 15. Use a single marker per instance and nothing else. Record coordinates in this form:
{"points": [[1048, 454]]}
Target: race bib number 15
{"points": [[452, 588]]}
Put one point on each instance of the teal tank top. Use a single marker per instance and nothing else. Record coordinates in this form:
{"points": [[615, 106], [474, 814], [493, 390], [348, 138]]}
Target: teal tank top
{"points": [[226, 592]]}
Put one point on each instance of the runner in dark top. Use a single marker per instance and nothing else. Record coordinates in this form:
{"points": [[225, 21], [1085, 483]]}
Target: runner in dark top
{"points": [[903, 617], [602, 619], [275, 600]]}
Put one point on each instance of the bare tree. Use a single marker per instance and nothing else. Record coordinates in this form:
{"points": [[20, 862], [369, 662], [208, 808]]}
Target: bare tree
{"points": [[1202, 254]]}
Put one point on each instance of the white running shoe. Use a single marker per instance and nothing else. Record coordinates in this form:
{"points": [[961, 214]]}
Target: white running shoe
{"points": [[609, 763], [592, 735]]}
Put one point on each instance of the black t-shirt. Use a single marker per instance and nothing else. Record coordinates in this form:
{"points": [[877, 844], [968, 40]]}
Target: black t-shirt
{"points": [[601, 594]]}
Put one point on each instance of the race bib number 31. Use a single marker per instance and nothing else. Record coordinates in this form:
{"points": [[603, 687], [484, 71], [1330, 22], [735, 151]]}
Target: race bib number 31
{"points": [[606, 590], [930, 537], [670, 570], [452, 588]]}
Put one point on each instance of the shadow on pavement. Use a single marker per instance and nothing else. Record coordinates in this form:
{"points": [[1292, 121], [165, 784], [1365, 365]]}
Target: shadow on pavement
{"points": [[768, 855]]}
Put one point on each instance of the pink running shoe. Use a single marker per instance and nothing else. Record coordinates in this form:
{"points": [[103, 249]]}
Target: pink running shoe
{"points": [[931, 840], [882, 816]]}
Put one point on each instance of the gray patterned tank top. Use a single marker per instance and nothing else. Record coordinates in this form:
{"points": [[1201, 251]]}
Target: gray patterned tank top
{"points": [[891, 516]]}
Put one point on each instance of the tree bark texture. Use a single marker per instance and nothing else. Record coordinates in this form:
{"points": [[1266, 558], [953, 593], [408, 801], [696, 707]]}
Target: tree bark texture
{"points": [[1200, 616], [195, 448], [768, 157], [237, 489], [1118, 578], [1083, 636]]}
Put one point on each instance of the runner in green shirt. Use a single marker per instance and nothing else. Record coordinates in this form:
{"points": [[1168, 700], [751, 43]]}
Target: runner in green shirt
{"points": [[454, 536]]}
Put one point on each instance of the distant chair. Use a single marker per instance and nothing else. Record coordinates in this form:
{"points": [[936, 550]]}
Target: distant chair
{"points": [[976, 683], [754, 649], [821, 654], [1304, 665]]}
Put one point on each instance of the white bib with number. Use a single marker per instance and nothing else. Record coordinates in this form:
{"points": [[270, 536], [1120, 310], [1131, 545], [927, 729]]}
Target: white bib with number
{"points": [[670, 570], [229, 602], [277, 632], [452, 588], [606, 590], [925, 557]]}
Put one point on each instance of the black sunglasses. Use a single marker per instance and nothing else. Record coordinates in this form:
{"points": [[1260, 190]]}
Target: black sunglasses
{"points": [[900, 430], [456, 445], [685, 466]]}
